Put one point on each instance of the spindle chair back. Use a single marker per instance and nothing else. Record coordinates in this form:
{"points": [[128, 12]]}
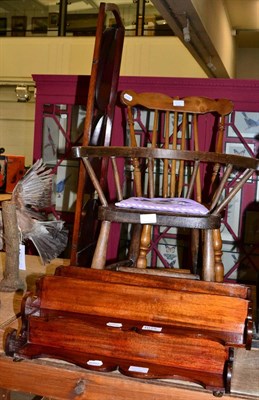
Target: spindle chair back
{"points": [[192, 123]]}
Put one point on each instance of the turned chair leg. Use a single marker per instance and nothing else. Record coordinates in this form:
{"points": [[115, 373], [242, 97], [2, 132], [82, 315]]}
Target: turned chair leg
{"points": [[195, 240], [99, 258], [135, 243], [219, 267], [208, 268], [145, 241]]}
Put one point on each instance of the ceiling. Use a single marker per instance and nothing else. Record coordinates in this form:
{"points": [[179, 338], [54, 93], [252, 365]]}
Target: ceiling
{"points": [[22, 6], [243, 16], [244, 20]]}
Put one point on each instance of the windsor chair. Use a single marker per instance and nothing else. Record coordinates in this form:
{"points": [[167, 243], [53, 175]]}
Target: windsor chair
{"points": [[151, 201], [157, 120]]}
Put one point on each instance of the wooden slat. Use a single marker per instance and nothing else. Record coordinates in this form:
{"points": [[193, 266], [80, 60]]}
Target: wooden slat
{"points": [[184, 285], [142, 152]]}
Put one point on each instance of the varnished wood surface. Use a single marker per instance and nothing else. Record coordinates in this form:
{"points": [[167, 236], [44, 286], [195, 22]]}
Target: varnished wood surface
{"points": [[61, 380], [11, 302], [191, 104], [145, 280], [159, 356], [151, 305], [139, 152]]}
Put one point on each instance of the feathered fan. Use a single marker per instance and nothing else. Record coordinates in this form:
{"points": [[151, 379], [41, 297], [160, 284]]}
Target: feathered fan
{"points": [[31, 195]]}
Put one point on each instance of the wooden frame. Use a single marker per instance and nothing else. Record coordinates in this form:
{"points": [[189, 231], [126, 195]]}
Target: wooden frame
{"points": [[53, 20], [102, 97], [82, 24], [39, 25], [3, 26], [19, 25]]}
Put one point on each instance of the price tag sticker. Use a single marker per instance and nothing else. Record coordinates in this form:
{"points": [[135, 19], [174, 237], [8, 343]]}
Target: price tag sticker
{"points": [[134, 368], [95, 363], [148, 218], [22, 264], [152, 328], [114, 324], [127, 97], [178, 103]]}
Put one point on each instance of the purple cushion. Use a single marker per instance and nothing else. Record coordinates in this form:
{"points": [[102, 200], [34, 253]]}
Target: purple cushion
{"points": [[176, 205]]}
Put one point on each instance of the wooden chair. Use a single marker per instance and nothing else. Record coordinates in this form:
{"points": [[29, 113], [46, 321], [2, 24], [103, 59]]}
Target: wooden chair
{"points": [[169, 209], [102, 96], [157, 120]]}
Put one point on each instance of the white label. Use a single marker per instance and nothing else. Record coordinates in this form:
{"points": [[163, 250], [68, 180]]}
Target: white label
{"points": [[151, 328], [127, 96], [178, 103], [148, 218], [114, 324], [95, 363], [142, 370], [22, 264]]}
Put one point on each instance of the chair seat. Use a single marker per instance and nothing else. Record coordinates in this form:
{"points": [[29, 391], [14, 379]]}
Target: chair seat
{"points": [[176, 205], [162, 218]]}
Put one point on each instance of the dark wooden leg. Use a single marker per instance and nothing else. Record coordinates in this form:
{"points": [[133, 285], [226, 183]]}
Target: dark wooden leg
{"points": [[99, 258], [135, 243], [195, 236], [208, 268]]}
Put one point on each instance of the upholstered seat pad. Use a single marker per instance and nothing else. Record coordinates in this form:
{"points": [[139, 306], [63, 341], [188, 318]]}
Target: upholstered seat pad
{"points": [[173, 204]]}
